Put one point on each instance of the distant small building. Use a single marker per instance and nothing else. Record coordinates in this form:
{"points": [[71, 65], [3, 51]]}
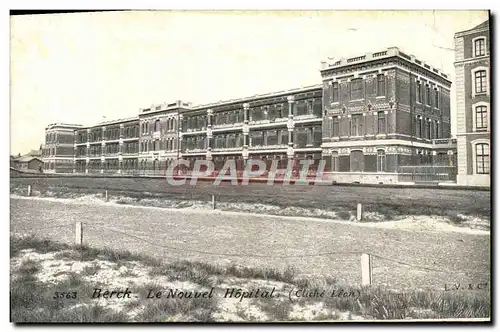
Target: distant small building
{"points": [[13, 162], [27, 163]]}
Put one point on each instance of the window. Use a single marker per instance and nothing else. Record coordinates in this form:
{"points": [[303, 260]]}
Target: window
{"points": [[480, 47], [356, 125], [335, 127], [380, 161], [480, 80], [381, 122], [481, 118], [436, 128], [381, 85], [356, 89], [436, 98], [419, 92], [428, 128], [419, 127], [335, 162], [482, 158], [335, 92], [427, 95]]}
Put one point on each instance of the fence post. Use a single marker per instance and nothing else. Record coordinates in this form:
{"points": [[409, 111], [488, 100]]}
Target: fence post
{"points": [[79, 233], [359, 212], [29, 189], [213, 201], [366, 269], [106, 195]]}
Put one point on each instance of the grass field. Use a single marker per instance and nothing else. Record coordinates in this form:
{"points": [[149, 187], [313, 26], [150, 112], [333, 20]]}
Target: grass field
{"points": [[384, 203], [42, 270], [312, 247], [198, 248]]}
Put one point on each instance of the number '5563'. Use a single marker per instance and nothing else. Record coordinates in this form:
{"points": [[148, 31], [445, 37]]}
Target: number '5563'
{"points": [[64, 295]]}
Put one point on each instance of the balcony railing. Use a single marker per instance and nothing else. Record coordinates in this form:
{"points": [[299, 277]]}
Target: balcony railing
{"points": [[227, 149], [268, 147], [194, 150], [444, 141], [227, 125]]}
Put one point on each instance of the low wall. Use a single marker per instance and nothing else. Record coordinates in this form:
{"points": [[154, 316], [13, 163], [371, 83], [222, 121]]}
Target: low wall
{"points": [[478, 180], [362, 178]]}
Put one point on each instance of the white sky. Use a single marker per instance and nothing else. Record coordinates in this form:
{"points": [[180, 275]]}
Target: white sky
{"points": [[78, 68]]}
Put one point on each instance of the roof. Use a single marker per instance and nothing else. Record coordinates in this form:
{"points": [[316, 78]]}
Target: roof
{"points": [[335, 64], [484, 25], [479, 27], [26, 159]]}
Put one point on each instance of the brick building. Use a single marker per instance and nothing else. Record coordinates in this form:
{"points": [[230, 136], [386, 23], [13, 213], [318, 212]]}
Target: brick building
{"points": [[58, 150], [372, 114], [472, 69], [383, 111]]}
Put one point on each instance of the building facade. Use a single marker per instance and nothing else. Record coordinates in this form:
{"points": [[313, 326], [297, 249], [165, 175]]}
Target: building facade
{"points": [[58, 150], [472, 70], [384, 111], [372, 115]]}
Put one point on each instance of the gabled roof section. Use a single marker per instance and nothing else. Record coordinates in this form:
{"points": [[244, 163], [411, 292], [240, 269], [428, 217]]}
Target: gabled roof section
{"points": [[26, 159], [483, 26]]}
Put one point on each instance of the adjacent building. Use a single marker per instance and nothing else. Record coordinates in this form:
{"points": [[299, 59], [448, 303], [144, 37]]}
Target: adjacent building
{"points": [[27, 163], [373, 115], [472, 70]]}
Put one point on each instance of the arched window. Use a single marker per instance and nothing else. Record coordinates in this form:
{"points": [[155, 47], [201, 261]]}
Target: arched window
{"points": [[482, 151], [157, 125], [381, 161]]}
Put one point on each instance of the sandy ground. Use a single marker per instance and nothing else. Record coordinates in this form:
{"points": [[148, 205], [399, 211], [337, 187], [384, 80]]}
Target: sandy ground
{"points": [[422, 251], [113, 276]]}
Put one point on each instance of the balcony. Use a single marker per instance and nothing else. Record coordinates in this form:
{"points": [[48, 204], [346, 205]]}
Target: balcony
{"points": [[128, 153], [227, 125], [227, 149], [194, 131], [194, 151], [268, 147], [444, 143], [256, 122]]}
